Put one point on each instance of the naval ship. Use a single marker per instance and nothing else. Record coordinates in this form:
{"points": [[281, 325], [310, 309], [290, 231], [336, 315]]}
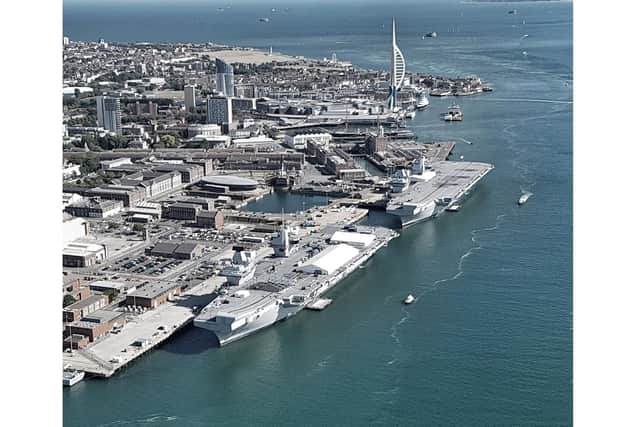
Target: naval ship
{"points": [[423, 192], [285, 283]]}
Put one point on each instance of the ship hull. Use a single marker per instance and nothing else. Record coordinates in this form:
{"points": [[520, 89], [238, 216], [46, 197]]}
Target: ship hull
{"points": [[406, 217], [266, 318]]}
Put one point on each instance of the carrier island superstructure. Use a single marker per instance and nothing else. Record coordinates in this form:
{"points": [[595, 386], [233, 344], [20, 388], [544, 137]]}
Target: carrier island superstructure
{"points": [[293, 277]]}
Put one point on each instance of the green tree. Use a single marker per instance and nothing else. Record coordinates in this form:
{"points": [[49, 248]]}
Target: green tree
{"points": [[168, 141], [68, 300], [89, 164]]}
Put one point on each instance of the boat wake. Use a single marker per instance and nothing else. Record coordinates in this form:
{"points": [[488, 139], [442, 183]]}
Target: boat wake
{"points": [[477, 246], [546, 101], [151, 419]]}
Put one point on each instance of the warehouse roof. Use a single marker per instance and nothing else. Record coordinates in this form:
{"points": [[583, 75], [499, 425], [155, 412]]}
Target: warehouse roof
{"points": [[330, 259]]}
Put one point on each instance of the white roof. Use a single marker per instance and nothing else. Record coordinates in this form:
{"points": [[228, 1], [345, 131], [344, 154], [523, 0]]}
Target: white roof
{"points": [[330, 259], [352, 238]]}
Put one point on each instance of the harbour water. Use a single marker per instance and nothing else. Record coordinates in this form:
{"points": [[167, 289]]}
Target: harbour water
{"points": [[488, 339]]}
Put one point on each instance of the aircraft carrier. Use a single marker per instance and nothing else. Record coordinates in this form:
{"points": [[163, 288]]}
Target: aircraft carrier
{"points": [[295, 276], [425, 193]]}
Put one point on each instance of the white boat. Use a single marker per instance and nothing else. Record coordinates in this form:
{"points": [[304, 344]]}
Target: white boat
{"points": [[453, 115], [523, 199], [453, 208], [423, 101], [71, 377], [409, 299], [410, 115]]}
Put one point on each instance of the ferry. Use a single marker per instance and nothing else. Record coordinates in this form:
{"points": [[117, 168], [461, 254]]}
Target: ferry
{"points": [[453, 115]]}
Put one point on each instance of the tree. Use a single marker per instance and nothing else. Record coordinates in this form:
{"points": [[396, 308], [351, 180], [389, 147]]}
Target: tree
{"points": [[168, 141], [89, 164], [68, 300]]}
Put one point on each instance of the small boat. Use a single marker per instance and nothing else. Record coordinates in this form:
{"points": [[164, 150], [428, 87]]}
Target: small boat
{"points": [[432, 34], [409, 299], [513, 12], [453, 208], [410, 114], [453, 115], [523, 199], [263, 20], [71, 377]]}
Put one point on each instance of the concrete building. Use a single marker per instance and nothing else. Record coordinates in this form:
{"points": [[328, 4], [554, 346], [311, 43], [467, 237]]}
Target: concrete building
{"points": [[181, 211], [210, 219], [224, 78], [299, 142], [243, 104], [95, 208], [96, 324], [152, 295], [245, 91], [108, 113], [189, 98], [83, 308], [219, 110], [204, 130], [78, 254]]}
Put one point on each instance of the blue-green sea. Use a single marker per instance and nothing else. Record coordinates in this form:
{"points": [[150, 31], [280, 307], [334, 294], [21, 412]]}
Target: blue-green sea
{"points": [[489, 339]]}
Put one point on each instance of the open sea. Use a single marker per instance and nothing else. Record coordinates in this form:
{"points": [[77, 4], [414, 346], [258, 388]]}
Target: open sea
{"points": [[489, 339]]}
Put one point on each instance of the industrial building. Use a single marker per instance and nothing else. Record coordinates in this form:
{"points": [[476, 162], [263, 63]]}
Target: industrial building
{"points": [[181, 211], [83, 308], [329, 260], [112, 286], [96, 324], [210, 219], [178, 250], [78, 254], [152, 295]]}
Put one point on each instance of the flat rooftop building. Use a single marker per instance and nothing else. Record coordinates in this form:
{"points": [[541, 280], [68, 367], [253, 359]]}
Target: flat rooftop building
{"points": [[152, 295]]}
